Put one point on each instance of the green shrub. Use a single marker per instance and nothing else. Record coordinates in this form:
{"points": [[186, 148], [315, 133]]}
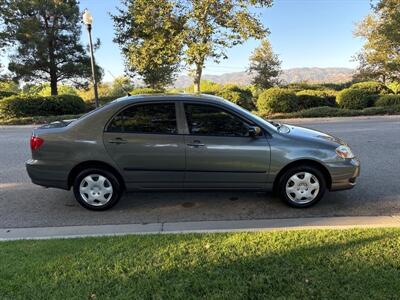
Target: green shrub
{"points": [[394, 87], [27, 106], [388, 100], [276, 100], [237, 95], [316, 98], [5, 94], [206, 87], [372, 87], [355, 98], [140, 91]]}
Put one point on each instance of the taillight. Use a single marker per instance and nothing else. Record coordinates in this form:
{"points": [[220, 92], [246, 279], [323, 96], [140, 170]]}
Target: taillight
{"points": [[36, 142]]}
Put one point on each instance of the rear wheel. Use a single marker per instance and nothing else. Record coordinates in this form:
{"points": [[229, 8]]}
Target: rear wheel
{"points": [[97, 189], [302, 186]]}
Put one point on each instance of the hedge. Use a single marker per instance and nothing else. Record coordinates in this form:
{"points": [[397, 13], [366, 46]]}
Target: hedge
{"points": [[5, 94], [373, 87], [388, 100], [355, 98], [315, 98], [27, 106], [140, 91], [276, 100], [237, 95]]}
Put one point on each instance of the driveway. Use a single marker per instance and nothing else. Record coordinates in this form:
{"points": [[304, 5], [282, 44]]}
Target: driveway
{"points": [[375, 140]]}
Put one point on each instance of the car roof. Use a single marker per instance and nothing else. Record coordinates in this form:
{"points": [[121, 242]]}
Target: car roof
{"points": [[175, 97]]}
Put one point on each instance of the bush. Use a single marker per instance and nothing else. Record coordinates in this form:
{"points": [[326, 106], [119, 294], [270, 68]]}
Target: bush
{"points": [[140, 91], [372, 87], [5, 94], [276, 100], [394, 87], [315, 98], [237, 95], [355, 98], [388, 100], [27, 106]]}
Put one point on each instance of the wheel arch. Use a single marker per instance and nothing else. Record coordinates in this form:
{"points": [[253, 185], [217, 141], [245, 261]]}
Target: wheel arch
{"points": [[308, 162], [94, 164]]}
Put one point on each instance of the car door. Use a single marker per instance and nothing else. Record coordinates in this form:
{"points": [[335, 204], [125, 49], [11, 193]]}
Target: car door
{"points": [[144, 141], [220, 153]]}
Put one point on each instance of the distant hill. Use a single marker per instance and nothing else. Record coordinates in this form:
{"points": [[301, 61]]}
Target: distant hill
{"points": [[312, 75]]}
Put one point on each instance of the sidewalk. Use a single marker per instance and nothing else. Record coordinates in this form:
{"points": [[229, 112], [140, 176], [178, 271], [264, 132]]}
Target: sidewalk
{"points": [[203, 226]]}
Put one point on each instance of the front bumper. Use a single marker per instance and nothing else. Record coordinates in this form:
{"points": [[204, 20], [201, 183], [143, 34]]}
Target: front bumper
{"points": [[47, 174], [344, 174]]}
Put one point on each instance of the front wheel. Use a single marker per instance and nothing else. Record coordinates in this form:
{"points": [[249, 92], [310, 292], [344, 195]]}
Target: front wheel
{"points": [[97, 189], [302, 186]]}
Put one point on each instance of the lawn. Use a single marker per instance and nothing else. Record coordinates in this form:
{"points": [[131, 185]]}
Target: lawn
{"points": [[329, 264]]}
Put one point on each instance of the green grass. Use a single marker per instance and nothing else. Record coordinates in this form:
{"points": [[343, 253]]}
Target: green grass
{"points": [[319, 264]]}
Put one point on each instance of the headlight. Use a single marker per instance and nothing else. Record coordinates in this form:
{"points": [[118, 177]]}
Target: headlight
{"points": [[344, 151]]}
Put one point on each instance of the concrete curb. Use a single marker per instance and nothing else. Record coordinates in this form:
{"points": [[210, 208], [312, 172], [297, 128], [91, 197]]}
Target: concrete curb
{"points": [[7, 234]]}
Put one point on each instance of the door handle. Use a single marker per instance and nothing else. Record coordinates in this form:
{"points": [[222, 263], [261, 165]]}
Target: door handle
{"points": [[118, 141], [196, 144]]}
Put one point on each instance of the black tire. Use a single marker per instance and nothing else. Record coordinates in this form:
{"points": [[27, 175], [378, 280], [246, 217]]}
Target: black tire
{"points": [[299, 169], [116, 188]]}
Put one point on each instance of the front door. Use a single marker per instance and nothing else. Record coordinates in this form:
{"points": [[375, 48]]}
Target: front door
{"points": [[220, 153], [144, 142]]}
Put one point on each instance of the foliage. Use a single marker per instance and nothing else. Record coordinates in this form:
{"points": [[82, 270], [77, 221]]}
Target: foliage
{"points": [[315, 98], [388, 100], [27, 106], [5, 94], [265, 65], [36, 120], [394, 87], [45, 35], [327, 111], [276, 100], [237, 95], [380, 56], [206, 87], [212, 26], [373, 87], [9, 86], [352, 98], [45, 90], [119, 87], [151, 35], [140, 91]]}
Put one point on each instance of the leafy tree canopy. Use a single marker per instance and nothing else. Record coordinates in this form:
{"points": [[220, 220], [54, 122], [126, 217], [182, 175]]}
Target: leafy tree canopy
{"points": [[44, 35], [265, 65]]}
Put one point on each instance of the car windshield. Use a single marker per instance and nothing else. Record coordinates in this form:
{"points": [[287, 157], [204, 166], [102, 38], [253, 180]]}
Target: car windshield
{"points": [[270, 124]]}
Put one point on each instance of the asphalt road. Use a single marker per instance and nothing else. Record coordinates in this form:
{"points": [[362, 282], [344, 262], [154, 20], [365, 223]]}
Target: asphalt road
{"points": [[375, 140]]}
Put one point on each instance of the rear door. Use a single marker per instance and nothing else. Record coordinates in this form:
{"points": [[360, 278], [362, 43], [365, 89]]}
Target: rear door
{"points": [[144, 141], [219, 151]]}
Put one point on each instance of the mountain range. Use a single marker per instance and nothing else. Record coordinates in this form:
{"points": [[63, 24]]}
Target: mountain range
{"points": [[311, 75]]}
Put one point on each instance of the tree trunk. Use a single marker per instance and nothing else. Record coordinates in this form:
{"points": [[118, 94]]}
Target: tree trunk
{"points": [[197, 77], [53, 70], [53, 85]]}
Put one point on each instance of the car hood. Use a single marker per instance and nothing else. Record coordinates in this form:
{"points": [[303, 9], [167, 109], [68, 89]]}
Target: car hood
{"points": [[303, 133]]}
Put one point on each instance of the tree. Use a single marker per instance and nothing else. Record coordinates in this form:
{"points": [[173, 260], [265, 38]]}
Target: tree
{"points": [[212, 26], [150, 34], [265, 65], [380, 56], [44, 35]]}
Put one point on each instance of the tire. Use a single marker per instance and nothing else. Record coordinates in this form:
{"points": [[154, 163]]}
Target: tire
{"points": [[302, 186], [100, 194]]}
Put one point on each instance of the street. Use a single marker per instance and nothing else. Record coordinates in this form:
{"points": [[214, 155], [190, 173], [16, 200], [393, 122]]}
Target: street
{"points": [[375, 140]]}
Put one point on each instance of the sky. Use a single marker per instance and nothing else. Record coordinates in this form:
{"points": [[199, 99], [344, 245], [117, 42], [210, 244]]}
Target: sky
{"points": [[304, 33]]}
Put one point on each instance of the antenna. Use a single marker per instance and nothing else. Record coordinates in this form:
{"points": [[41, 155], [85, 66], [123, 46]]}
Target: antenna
{"points": [[127, 93]]}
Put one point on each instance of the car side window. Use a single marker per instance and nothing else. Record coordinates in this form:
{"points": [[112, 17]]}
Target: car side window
{"points": [[213, 121], [157, 118]]}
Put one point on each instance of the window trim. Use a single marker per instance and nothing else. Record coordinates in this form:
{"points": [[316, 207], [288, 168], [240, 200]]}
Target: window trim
{"points": [[143, 103], [235, 114]]}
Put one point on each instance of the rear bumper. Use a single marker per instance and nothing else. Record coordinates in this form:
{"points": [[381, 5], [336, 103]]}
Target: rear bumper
{"points": [[47, 175], [344, 174]]}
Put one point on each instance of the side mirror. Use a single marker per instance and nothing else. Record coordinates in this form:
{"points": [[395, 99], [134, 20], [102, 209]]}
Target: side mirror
{"points": [[254, 131]]}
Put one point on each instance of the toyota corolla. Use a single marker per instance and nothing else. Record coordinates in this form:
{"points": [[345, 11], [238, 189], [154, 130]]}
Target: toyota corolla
{"points": [[186, 142]]}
